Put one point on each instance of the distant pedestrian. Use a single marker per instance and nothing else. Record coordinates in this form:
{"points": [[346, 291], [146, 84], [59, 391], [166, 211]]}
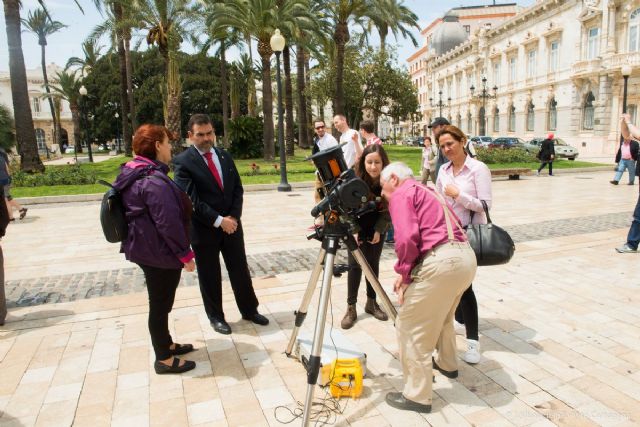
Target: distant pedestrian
{"points": [[352, 148], [546, 154], [4, 221], [626, 158], [436, 127], [323, 140], [367, 129], [5, 182], [633, 237], [158, 214], [429, 155]]}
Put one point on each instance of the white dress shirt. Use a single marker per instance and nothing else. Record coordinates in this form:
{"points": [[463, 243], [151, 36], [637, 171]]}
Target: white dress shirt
{"points": [[216, 162]]}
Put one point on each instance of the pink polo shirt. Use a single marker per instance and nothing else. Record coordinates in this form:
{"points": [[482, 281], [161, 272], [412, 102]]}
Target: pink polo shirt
{"points": [[419, 225], [625, 150]]}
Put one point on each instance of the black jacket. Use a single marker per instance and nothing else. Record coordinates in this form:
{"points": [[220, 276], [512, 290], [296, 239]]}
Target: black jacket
{"points": [[635, 147], [4, 216], [546, 151], [208, 199]]}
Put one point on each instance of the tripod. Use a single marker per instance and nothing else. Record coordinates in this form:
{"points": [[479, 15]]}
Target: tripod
{"points": [[333, 235]]}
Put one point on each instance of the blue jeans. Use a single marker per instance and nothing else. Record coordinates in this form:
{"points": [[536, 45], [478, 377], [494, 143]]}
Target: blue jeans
{"points": [[633, 238], [630, 166]]}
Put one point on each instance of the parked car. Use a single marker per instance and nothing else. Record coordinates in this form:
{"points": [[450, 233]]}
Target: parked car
{"points": [[507, 142], [70, 150], [481, 141], [563, 150], [413, 141]]}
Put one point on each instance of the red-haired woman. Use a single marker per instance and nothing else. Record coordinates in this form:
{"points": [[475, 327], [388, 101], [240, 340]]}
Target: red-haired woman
{"points": [[158, 214]]}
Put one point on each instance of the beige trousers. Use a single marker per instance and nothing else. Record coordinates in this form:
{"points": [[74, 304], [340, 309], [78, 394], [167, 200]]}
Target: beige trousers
{"points": [[425, 320]]}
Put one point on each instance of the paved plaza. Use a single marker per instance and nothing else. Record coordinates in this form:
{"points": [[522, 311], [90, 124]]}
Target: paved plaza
{"points": [[559, 323]]}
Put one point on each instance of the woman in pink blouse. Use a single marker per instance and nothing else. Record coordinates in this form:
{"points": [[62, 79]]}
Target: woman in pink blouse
{"points": [[465, 182]]}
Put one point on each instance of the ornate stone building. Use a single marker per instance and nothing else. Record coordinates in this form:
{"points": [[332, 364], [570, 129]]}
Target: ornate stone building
{"points": [[40, 111], [555, 66]]}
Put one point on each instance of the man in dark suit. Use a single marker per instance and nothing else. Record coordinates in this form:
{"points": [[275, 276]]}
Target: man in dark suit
{"points": [[210, 178]]}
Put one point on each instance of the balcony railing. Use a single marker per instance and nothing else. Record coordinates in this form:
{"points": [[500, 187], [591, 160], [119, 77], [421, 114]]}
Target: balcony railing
{"points": [[620, 59], [586, 67]]}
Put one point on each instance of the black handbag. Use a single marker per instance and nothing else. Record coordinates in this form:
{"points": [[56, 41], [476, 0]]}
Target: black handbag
{"points": [[492, 244]]}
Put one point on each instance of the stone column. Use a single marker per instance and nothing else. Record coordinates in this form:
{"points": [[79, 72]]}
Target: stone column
{"points": [[611, 34], [603, 109]]}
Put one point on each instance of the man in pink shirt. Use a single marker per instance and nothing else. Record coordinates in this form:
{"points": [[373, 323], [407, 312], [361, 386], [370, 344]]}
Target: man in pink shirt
{"points": [[435, 264], [626, 158], [367, 129]]}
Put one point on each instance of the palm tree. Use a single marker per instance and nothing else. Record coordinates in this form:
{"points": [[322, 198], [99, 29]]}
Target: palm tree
{"points": [[68, 88], [92, 53], [42, 26], [392, 16], [165, 22], [344, 12]]}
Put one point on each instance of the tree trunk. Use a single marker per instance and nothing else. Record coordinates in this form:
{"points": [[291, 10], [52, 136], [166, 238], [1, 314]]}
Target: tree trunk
{"points": [[303, 135], [75, 119], [307, 79], [173, 118], [267, 109], [234, 93], [252, 97], [54, 119], [224, 92], [127, 57], [25, 131], [288, 101], [341, 37], [124, 97]]}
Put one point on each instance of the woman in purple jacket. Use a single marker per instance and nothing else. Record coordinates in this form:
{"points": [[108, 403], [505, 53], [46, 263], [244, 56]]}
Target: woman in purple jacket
{"points": [[158, 214]]}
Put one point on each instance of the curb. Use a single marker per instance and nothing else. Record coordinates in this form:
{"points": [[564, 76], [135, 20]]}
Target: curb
{"points": [[251, 188]]}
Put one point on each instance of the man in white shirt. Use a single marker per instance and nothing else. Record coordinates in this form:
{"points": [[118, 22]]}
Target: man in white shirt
{"points": [[323, 139], [353, 147]]}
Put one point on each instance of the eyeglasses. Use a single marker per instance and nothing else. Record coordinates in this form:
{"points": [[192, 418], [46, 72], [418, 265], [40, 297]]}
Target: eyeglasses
{"points": [[319, 127]]}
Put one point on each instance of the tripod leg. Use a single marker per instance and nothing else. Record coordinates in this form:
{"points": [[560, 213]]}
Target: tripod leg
{"points": [[375, 283], [313, 367], [301, 314]]}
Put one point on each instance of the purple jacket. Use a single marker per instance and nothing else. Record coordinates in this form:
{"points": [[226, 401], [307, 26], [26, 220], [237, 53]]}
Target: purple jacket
{"points": [[157, 214]]}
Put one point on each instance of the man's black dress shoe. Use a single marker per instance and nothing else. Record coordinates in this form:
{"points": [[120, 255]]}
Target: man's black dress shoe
{"points": [[448, 374], [257, 318], [221, 326], [398, 401]]}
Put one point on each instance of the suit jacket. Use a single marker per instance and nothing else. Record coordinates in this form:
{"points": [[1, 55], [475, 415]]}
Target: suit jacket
{"points": [[634, 150], [208, 199], [547, 150]]}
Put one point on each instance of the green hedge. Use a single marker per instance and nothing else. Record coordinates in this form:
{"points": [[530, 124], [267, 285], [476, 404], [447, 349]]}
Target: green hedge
{"points": [[68, 175], [501, 155]]}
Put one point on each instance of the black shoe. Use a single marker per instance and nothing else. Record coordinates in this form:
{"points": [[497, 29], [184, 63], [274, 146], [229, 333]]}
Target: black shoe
{"points": [[398, 401], [181, 349], [448, 374], [221, 326], [631, 183], [257, 318], [614, 182], [175, 367]]}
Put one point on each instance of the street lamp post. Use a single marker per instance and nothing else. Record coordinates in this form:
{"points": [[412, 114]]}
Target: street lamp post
{"points": [[277, 43], [440, 104], [117, 116], [626, 72], [83, 108], [484, 95]]}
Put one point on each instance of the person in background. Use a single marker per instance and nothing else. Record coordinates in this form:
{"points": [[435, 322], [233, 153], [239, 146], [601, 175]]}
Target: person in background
{"points": [[367, 128], [371, 227], [633, 237], [429, 154], [352, 148], [4, 222], [626, 158], [158, 215], [5, 182], [469, 148], [435, 265], [465, 182], [323, 139], [546, 154], [436, 127]]}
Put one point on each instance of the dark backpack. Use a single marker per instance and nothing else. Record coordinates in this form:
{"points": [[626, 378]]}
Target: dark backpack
{"points": [[112, 215]]}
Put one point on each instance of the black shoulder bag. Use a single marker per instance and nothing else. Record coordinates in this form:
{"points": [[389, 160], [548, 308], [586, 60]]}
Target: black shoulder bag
{"points": [[492, 244]]}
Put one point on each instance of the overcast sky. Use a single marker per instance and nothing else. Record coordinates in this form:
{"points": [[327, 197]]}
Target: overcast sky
{"points": [[67, 42]]}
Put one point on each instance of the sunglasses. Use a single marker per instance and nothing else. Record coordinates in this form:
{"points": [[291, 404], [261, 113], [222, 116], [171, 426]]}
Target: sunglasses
{"points": [[319, 127]]}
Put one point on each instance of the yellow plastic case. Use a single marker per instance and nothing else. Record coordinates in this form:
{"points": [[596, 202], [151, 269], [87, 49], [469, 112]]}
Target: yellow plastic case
{"points": [[347, 378]]}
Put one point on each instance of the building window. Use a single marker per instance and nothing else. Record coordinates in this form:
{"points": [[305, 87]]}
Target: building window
{"points": [[496, 73], [469, 123], [531, 117], [40, 139], [588, 112], [592, 43], [496, 119], [634, 31], [554, 56], [531, 63], [513, 69], [459, 120], [512, 118], [552, 118], [36, 105]]}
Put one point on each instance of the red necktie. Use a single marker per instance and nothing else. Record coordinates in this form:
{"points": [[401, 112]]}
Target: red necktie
{"points": [[213, 169]]}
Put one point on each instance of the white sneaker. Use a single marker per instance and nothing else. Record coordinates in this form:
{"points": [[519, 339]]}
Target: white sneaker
{"points": [[626, 249], [472, 355], [459, 328], [537, 173]]}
